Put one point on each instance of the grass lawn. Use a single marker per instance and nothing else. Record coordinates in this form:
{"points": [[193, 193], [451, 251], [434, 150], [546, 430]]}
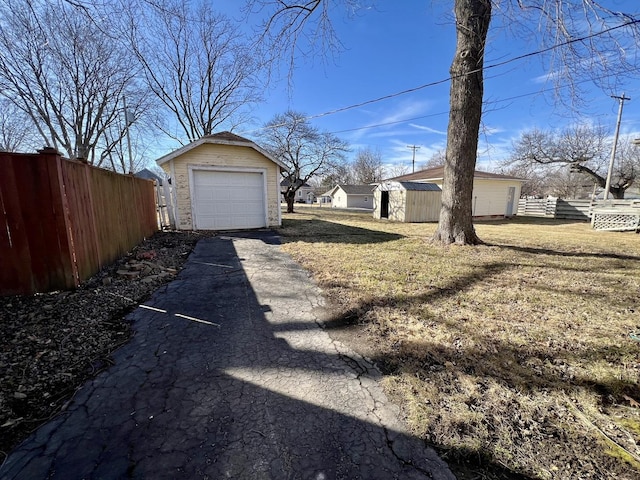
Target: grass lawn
{"points": [[514, 357]]}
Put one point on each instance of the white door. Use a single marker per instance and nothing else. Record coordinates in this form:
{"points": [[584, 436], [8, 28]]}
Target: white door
{"points": [[228, 200], [510, 200]]}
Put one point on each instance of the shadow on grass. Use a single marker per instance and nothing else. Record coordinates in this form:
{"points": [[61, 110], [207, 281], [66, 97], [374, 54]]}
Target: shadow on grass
{"points": [[519, 220], [483, 360], [321, 231], [560, 253], [352, 316], [561, 367]]}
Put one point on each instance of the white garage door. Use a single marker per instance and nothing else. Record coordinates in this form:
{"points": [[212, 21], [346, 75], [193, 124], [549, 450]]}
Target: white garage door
{"points": [[228, 200]]}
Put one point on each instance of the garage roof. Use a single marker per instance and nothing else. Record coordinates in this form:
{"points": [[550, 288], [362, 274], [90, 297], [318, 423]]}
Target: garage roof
{"points": [[221, 138], [437, 173]]}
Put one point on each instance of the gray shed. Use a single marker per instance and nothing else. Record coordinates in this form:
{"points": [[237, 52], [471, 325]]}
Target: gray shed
{"points": [[407, 201]]}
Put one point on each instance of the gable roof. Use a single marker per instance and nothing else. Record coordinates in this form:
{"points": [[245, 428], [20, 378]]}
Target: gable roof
{"points": [[221, 138], [286, 182], [437, 173], [148, 175], [354, 189]]}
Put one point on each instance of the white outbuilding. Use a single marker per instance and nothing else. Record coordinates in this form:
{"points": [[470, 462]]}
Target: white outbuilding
{"points": [[407, 201], [494, 195], [352, 196]]}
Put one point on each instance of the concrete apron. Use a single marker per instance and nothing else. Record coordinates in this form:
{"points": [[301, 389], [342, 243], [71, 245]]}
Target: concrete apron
{"points": [[229, 375]]}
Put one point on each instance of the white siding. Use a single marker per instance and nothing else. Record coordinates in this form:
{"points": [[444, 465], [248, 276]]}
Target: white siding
{"points": [[490, 197], [342, 200], [339, 199], [360, 201], [225, 156]]}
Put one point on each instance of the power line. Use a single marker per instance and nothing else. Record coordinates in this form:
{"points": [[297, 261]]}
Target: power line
{"points": [[445, 80], [384, 124], [494, 65], [485, 103]]}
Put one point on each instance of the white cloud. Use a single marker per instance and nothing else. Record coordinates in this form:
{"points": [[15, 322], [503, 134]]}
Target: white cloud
{"points": [[427, 129], [391, 119]]}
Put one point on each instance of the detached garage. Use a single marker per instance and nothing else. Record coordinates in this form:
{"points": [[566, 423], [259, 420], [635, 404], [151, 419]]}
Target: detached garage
{"points": [[224, 182]]}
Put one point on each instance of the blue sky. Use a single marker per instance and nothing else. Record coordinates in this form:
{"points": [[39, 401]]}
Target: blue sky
{"points": [[401, 45]]}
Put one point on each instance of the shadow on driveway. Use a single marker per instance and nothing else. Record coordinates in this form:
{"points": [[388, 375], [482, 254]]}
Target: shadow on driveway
{"points": [[229, 375]]}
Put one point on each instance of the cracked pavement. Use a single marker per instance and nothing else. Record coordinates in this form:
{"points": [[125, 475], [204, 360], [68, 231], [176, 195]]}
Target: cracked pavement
{"points": [[230, 375]]}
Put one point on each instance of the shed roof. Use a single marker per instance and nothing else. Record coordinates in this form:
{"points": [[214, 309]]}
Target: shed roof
{"points": [[419, 186], [221, 138], [354, 189], [437, 173]]}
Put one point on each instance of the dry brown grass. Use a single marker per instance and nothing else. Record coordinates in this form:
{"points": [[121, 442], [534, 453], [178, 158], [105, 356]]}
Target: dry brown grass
{"points": [[517, 352]]}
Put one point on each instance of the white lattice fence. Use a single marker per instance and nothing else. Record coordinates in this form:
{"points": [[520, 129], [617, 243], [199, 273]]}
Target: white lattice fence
{"points": [[616, 219]]}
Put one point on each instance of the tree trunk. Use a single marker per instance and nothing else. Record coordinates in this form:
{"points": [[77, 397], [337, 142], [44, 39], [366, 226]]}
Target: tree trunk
{"points": [[617, 192], [290, 197], [472, 23]]}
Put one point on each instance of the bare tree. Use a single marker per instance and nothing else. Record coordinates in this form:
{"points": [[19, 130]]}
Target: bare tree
{"points": [[584, 38], [15, 128], [338, 174], [367, 166], [437, 159], [66, 76], [583, 150], [293, 29], [626, 167], [397, 170], [304, 149], [197, 65], [537, 181]]}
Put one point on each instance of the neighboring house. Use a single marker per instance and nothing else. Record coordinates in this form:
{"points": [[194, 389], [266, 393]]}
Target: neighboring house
{"points": [[304, 194], [224, 182], [352, 196], [494, 195], [325, 198], [407, 201], [149, 175]]}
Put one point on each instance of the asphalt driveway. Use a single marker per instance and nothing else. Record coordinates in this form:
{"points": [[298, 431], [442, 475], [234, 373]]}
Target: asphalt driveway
{"points": [[229, 375]]}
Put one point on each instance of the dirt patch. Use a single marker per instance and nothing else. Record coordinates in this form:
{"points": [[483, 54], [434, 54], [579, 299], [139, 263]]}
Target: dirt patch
{"points": [[53, 342]]}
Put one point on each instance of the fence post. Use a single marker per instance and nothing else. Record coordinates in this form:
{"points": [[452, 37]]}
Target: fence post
{"points": [[550, 207], [51, 157], [169, 202]]}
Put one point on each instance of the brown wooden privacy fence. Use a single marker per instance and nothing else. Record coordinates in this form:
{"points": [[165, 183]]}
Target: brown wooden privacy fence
{"points": [[62, 220]]}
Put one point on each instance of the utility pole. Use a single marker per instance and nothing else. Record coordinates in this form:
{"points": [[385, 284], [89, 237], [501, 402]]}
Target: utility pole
{"points": [[128, 121], [615, 144], [413, 163]]}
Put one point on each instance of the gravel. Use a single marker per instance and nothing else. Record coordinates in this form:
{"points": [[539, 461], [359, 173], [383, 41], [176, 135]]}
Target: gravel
{"points": [[52, 342]]}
